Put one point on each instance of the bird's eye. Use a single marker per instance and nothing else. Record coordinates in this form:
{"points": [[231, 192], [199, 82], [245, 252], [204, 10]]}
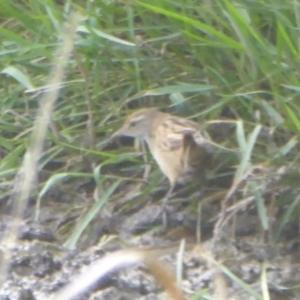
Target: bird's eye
{"points": [[136, 121], [133, 123]]}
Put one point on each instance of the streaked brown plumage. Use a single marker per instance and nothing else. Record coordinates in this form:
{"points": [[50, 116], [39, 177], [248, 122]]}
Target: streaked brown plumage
{"points": [[179, 146]]}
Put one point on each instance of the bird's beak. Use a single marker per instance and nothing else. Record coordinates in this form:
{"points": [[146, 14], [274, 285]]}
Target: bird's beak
{"points": [[117, 134]]}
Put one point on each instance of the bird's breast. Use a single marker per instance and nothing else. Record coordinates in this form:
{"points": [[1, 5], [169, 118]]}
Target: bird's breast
{"points": [[168, 158]]}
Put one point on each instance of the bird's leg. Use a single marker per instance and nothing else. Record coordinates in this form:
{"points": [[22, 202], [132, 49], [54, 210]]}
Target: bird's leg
{"points": [[162, 209], [168, 195], [164, 204]]}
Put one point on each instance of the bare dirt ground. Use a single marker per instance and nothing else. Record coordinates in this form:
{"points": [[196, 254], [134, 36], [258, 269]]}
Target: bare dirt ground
{"points": [[41, 266]]}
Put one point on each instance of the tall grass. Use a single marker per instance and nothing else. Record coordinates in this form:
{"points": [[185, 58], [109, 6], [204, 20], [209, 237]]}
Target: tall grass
{"points": [[209, 60]]}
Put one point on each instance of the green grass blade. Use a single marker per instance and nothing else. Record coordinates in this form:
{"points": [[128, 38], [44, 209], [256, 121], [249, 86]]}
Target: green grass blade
{"points": [[197, 24], [82, 224]]}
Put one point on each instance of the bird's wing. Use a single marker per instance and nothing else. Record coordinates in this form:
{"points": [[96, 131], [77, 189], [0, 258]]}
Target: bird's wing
{"points": [[179, 128], [172, 133]]}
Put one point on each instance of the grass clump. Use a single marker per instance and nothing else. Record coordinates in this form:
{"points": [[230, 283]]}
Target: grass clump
{"points": [[209, 60]]}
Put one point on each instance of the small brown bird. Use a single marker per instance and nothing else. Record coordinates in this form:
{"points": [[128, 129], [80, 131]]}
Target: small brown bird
{"points": [[179, 146]]}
